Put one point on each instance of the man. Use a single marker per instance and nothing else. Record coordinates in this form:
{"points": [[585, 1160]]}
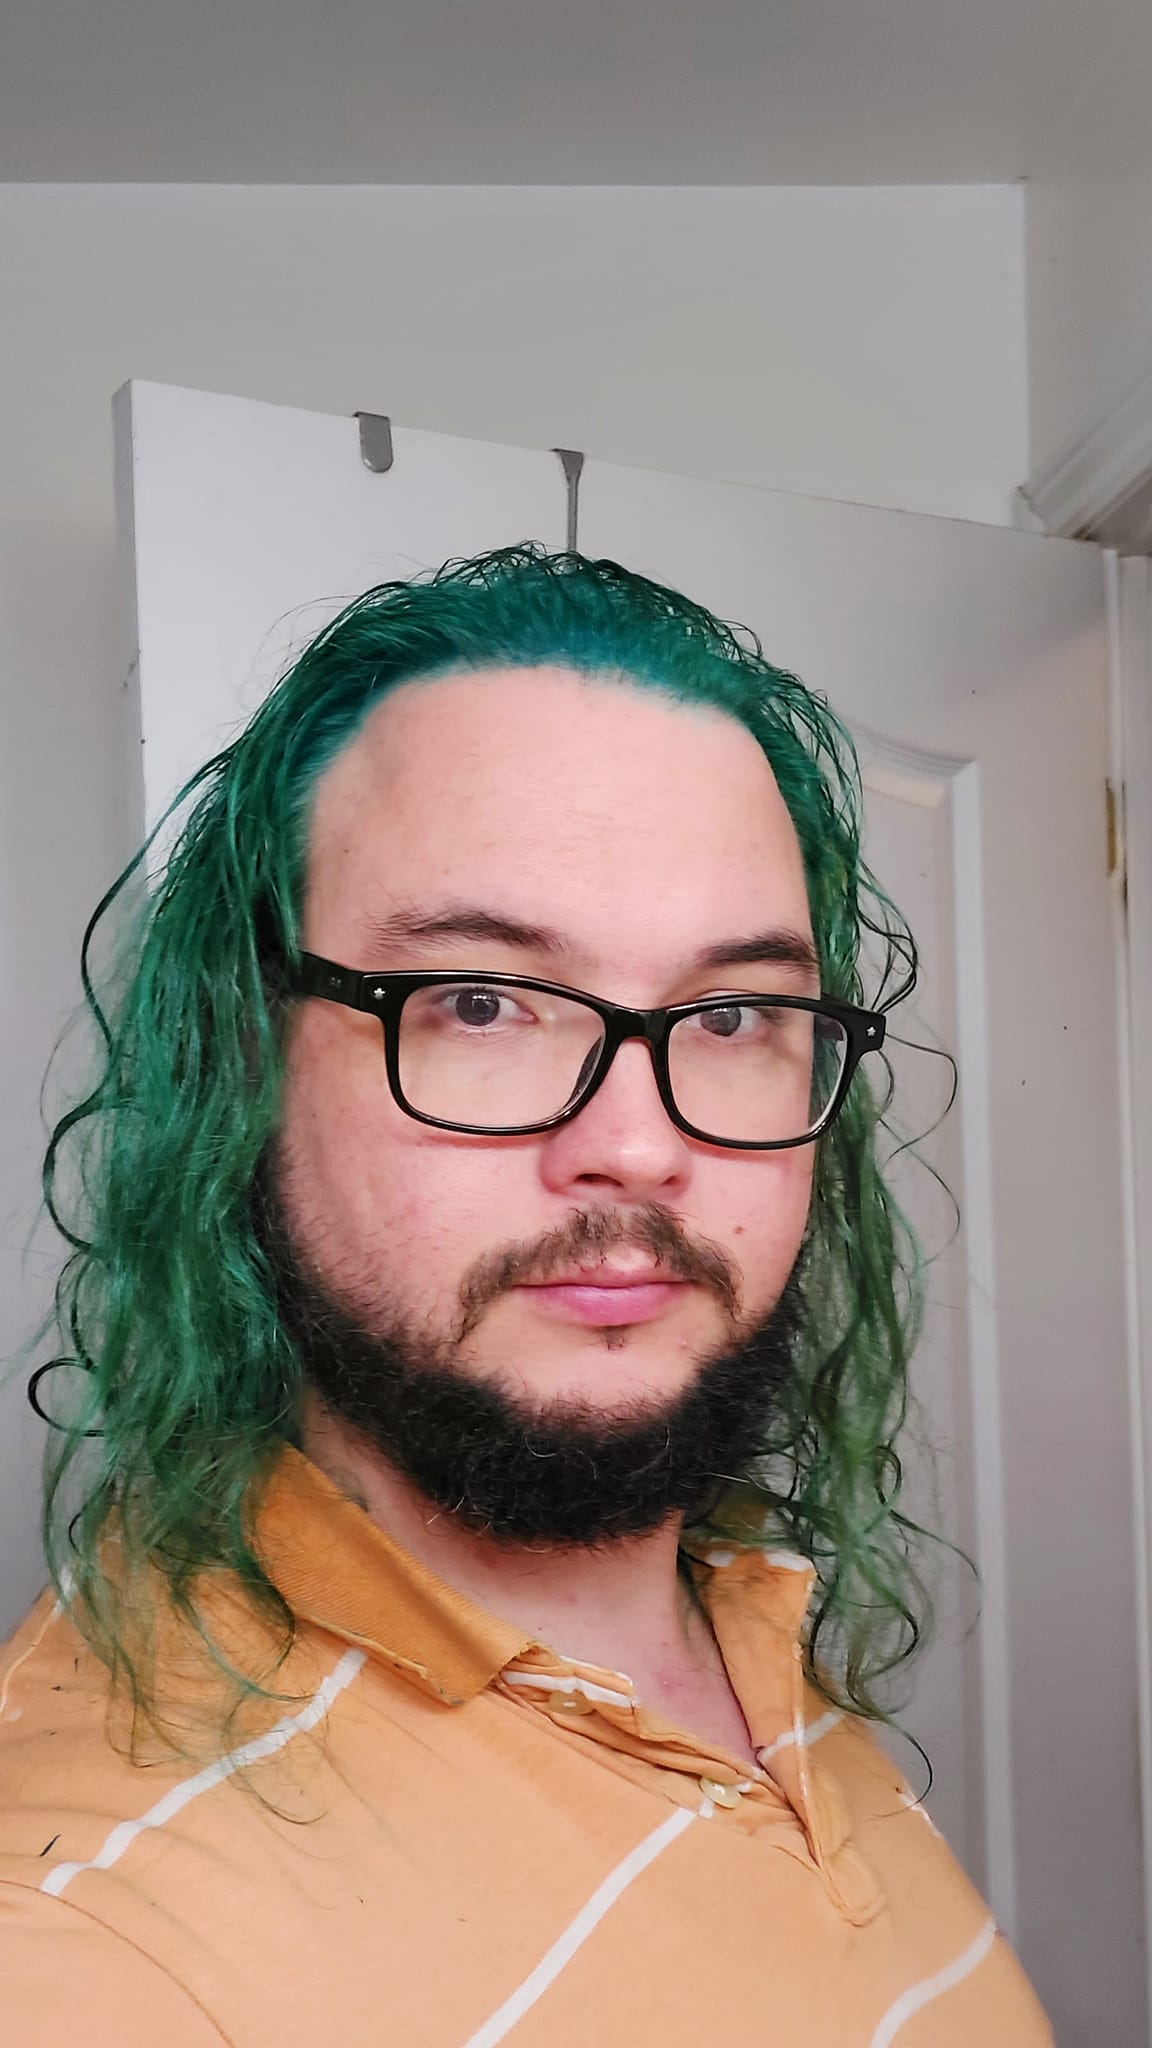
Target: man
{"points": [[494, 1332]]}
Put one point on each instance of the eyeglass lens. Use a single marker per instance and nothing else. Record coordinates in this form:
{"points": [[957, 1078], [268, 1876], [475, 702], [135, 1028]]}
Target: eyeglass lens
{"points": [[498, 1056]]}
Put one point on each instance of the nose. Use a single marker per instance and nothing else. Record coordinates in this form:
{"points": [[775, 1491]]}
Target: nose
{"points": [[623, 1141]]}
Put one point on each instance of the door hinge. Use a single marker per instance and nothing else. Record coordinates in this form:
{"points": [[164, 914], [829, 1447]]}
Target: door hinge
{"points": [[1114, 818]]}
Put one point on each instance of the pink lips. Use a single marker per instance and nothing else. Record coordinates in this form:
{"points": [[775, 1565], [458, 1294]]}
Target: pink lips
{"points": [[604, 1297]]}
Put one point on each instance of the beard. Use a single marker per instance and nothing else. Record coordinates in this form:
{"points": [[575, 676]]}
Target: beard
{"points": [[567, 1473]]}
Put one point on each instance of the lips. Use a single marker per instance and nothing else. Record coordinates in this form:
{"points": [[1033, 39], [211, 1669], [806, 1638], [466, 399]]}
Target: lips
{"points": [[610, 1276], [606, 1295]]}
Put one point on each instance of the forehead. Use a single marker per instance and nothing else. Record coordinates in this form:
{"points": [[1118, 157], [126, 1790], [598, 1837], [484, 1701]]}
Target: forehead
{"points": [[578, 800]]}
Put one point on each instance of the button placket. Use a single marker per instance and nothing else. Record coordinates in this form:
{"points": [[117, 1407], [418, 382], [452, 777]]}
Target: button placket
{"points": [[606, 1714]]}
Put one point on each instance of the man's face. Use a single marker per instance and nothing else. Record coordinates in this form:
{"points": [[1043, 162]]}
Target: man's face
{"points": [[639, 834]]}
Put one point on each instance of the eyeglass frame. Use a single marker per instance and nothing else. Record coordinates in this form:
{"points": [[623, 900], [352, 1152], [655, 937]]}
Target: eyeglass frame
{"points": [[383, 996]]}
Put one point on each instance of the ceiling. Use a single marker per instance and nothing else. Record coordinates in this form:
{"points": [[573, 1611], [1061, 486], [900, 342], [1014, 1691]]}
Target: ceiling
{"points": [[711, 92]]}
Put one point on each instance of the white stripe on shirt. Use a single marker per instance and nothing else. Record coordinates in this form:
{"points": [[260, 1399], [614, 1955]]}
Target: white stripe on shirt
{"points": [[586, 1920], [125, 1832], [922, 1994]]}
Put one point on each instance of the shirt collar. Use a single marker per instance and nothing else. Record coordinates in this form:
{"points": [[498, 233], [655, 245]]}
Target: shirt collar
{"points": [[757, 1603], [337, 1568]]}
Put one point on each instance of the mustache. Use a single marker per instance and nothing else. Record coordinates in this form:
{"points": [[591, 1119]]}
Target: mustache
{"points": [[591, 1233]]}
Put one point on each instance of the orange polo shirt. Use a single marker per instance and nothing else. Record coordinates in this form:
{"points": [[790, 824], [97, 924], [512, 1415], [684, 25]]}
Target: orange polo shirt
{"points": [[452, 1836]]}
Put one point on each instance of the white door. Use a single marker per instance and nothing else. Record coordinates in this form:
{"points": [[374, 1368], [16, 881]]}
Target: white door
{"points": [[972, 664]]}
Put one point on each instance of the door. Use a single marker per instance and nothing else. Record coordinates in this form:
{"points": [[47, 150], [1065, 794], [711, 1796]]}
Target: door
{"points": [[972, 665]]}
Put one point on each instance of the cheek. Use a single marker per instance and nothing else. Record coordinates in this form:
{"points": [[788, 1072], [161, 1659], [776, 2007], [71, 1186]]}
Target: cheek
{"points": [[379, 1202], [761, 1217]]}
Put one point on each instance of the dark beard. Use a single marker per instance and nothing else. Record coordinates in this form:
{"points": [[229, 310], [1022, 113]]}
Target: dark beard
{"points": [[564, 1474]]}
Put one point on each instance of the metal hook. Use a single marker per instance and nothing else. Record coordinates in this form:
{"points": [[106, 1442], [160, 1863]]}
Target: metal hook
{"points": [[375, 441], [572, 463]]}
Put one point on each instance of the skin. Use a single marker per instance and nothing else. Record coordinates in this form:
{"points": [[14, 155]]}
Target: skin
{"points": [[642, 832]]}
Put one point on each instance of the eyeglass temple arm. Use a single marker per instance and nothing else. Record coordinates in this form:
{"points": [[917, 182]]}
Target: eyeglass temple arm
{"points": [[317, 977]]}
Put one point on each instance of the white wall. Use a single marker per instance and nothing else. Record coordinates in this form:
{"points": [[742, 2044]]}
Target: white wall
{"points": [[1089, 247], [862, 344]]}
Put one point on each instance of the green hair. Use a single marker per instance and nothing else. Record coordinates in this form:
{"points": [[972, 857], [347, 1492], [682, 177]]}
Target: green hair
{"points": [[191, 1383]]}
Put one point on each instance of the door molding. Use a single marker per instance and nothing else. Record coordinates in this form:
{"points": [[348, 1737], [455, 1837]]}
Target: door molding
{"points": [[917, 775], [1129, 588]]}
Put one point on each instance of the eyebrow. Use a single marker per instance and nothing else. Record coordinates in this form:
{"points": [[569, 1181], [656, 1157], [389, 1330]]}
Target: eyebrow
{"points": [[775, 947]]}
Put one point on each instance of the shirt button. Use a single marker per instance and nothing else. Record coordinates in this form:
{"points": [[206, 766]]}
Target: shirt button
{"points": [[720, 1795], [572, 1703]]}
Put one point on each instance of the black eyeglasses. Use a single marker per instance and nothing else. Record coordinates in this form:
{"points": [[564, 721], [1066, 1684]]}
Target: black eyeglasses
{"points": [[500, 1055]]}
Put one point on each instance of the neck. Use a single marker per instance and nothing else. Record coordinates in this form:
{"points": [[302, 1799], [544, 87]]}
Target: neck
{"points": [[624, 1606]]}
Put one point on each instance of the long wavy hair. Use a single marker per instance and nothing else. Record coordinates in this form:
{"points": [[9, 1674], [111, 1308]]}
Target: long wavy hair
{"points": [[191, 1384]]}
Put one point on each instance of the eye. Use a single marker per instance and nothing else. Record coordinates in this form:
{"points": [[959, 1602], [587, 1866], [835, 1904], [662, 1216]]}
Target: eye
{"points": [[725, 1021], [477, 1007], [737, 1020]]}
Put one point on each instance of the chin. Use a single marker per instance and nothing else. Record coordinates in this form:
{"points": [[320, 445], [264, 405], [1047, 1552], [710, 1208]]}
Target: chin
{"points": [[611, 1369]]}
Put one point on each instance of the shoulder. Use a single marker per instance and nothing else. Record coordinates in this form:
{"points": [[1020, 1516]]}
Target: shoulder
{"points": [[78, 1766], [947, 1938], [50, 1683], [57, 1763], [67, 1977], [888, 1820]]}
